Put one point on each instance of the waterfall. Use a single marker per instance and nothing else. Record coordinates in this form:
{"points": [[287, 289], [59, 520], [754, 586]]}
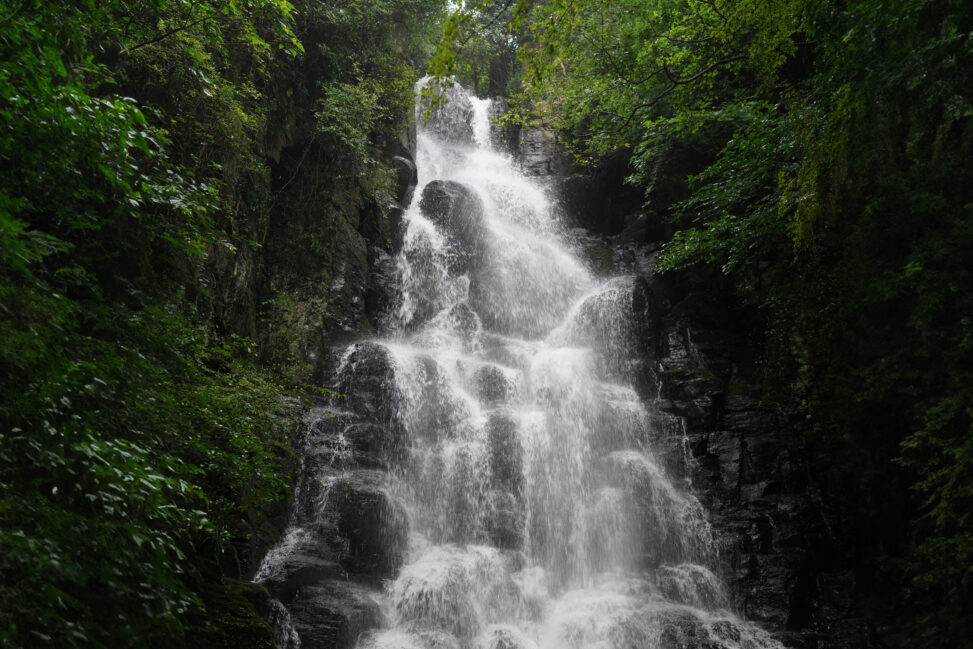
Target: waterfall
{"points": [[499, 459]]}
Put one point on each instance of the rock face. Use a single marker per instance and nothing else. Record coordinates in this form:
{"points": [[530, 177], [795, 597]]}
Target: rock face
{"points": [[780, 545], [458, 212], [315, 270], [346, 533], [455, 124], [599, 200], [333, 613], [754, 474], [540, 153]]}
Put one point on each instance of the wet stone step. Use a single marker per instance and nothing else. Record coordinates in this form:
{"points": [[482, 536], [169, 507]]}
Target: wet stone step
{"points": [[373, 528], [334, 614], [301, 570]]}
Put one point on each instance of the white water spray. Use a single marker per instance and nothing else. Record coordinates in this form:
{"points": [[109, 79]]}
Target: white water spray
{"points": [[538, 516]]}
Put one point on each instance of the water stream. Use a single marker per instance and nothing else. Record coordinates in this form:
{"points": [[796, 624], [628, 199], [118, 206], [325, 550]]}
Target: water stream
{"points": [[529, 509]]}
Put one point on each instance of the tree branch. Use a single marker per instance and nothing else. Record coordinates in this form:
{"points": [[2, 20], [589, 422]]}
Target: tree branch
{"points": [[489, 24], [681, 82], [675, 82], [165, 35]]}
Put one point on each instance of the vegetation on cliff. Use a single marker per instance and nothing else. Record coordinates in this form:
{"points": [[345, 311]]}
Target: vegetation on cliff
{"points": [[177, 175], [140, 147], [830, 186]]}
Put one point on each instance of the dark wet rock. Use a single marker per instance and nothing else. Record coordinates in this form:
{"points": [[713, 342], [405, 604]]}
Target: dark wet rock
{"points": [[382, 297], [492, 385], [406, 178], [504, 136], [598, 199], [506, 453], [506, 517], [745, 413], [344, 441], [691, 585], [505, 504], [458, 212], [681, 629], [367, 381], [454, 124], [621, 323], [691, 382], [408, 138], [641, 228], [540, 153], [425, 638], [594, 249], [501, 349], [299, 571], [373, 527], [501, 638], [776, 589], [587, 205], [333, 614], [465, 323], [374, 443], [437, 412], [647, 315]]}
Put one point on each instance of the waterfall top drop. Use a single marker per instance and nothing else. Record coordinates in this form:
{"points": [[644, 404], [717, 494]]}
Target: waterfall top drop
{"points": [[481, 121]]}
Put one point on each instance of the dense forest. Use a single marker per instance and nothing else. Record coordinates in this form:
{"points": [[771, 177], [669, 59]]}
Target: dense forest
{"points": [[143, 421], [170, 170]]}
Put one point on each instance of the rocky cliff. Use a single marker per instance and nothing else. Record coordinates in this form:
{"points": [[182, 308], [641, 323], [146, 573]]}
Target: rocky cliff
{"points": [[698, 358], [783, 548]]}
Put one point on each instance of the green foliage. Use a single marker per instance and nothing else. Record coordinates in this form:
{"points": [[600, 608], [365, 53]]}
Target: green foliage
{"points": [[123, 450], [138, 436], [348, 114], [478, 50], [737, 201], [606, 70], [364, 97]]}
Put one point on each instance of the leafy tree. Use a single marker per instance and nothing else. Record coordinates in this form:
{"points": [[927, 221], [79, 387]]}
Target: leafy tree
{"points": [[138, 435]]}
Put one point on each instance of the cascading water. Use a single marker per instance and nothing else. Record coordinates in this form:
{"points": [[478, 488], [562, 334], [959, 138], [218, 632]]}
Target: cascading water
{"points": [[516, 501]]}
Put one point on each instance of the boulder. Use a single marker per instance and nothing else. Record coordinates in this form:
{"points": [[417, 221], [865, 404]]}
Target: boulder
{"points": [[458, 213], [367, 381], [406, 178], [372, 527], [506, 454], [492, 386], [333, 614], [301, 570]]}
